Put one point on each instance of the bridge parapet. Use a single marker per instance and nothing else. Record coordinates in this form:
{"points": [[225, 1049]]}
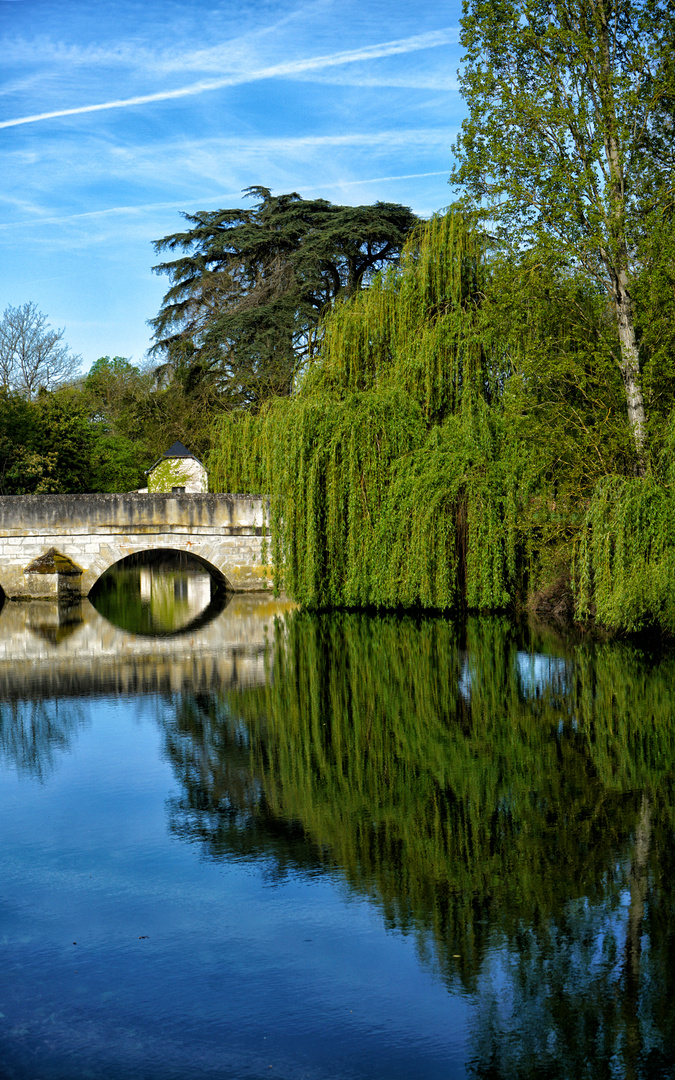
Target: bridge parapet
{"points": [[51, 544]]}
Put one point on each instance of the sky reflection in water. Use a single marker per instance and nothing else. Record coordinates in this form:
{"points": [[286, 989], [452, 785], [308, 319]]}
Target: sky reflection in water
{"points": [[332, 847]]}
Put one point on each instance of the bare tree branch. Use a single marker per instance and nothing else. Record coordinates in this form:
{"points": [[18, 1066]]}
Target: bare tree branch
{"points": [[32, 355]]}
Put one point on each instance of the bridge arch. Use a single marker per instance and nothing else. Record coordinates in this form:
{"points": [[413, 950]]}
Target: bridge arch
{"points": [[114, 554], [155, 601]]}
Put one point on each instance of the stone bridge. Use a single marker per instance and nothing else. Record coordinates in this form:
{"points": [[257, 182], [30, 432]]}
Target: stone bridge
{"points": [[59, 545]]}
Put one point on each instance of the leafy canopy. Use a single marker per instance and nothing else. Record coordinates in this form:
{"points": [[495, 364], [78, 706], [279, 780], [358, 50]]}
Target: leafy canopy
{"points": [[392, 474], [451, 444], [569, 145], [569, 139]]}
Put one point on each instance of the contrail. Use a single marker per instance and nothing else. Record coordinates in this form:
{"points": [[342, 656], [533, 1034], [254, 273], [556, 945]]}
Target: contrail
{"points": [[383, 179], [201, 202], [295, 67]]}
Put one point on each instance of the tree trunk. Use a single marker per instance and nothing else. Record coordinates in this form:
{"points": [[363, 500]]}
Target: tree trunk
{"points": [[630, 370], [617, 264], [639, 879]]}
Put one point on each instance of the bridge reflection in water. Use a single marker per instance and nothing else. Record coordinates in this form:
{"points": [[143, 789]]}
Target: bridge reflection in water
{"points": [[51, 650]]}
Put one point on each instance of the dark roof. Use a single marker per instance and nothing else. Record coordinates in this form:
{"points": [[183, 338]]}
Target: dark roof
{"points": [[177, 450]]}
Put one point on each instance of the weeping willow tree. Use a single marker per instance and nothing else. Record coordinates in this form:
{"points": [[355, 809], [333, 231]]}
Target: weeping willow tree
{"points": [[394, 474], [462, 438], [626, 558]]}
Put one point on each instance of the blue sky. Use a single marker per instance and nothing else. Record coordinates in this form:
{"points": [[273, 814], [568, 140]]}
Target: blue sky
{"points": [[115, 116]]}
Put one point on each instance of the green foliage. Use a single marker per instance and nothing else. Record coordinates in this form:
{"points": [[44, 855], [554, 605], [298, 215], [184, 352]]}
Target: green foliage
{"points": [[445, 446], [413, 328], [333, 461], [403, 471], [115, 394], [389, 470], [23, 468], [65, 431], [55, 444], [625, 563], [117, 464], [626, 558], [451, 531], [568, 144], [114, 385], [46, 445], [567, 141], [655, 305], [555, 328], [136, 419]]}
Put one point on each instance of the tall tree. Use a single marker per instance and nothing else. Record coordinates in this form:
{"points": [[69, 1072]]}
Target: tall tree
{"points": [[569, 139], [247, 293], [32, 354]]}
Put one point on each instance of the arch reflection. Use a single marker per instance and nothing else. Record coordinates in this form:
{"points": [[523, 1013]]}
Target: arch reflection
{"points": [[159, 594]]}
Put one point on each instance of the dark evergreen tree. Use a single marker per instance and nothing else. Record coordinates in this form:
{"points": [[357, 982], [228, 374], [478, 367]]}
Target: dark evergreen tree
{"points": [[247, 293]]}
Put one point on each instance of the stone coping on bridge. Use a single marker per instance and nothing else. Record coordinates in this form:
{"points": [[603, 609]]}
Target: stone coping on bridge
{"points": [[20, 514]]}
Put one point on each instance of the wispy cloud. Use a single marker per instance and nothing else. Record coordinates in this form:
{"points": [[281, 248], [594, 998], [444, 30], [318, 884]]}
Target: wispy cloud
{"points": [[140, 49], [287, 70], [441, 81], [424, 136], [114, 211], [180, 171]]}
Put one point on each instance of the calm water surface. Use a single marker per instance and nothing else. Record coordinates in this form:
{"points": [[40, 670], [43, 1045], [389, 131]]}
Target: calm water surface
{"points": [[241, 841]]}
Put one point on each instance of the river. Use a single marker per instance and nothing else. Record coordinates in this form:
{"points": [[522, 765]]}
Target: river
{"points": [[240, 840]]}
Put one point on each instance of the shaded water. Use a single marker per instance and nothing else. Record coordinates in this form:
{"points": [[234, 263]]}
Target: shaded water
{"points": [[288, 845]]}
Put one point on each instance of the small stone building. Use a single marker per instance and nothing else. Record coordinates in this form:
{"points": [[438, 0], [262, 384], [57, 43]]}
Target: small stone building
{"points": [[178, 471]]}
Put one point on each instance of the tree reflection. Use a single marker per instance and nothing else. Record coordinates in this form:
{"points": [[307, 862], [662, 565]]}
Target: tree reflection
{"points": [[511, 813], [222, 804], [34, 733]]}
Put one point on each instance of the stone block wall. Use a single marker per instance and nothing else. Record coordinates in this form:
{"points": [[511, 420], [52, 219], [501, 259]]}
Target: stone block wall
{"points": [[83, 535]]}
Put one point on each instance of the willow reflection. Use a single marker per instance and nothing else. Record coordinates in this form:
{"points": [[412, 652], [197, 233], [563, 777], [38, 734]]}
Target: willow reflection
{"points": [[514, 815]]}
